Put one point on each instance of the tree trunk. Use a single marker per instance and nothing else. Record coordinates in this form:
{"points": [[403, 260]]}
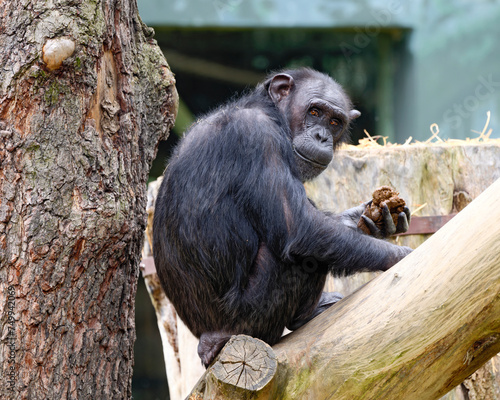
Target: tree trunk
{"points": [[85, 96], [419, 329]]}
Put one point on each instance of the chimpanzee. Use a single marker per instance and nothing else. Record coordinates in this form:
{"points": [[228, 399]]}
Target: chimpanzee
{"points": [[238, 246]]}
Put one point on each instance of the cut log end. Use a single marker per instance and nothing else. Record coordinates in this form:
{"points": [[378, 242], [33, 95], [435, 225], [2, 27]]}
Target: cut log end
{"points": [[243, 369], [245, 362]]}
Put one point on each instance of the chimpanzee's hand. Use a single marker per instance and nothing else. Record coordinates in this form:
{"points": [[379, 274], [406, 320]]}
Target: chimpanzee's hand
{"points": [[388, 228], [351, 216]]}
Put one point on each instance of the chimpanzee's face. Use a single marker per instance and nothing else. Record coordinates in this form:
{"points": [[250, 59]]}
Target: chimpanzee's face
{"points": [[318, 112], [319, 120]]}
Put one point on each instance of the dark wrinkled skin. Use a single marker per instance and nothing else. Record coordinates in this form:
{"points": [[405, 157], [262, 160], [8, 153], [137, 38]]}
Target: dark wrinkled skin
{"points": [[238, 246]]}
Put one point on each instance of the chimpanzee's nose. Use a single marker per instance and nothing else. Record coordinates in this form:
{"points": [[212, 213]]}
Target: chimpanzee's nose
{"points": [[321, 135]]}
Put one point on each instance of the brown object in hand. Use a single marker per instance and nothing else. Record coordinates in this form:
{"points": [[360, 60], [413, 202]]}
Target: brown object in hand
{"points": [[382, 196]]}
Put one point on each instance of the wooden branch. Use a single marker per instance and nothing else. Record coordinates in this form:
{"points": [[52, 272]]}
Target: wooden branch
{"points": [[415, 331], [213, 70], [182, 362]]}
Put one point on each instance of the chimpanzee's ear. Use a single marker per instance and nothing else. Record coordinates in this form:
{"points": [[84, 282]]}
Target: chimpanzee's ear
{"points": [[353, 114], [279, 87]]}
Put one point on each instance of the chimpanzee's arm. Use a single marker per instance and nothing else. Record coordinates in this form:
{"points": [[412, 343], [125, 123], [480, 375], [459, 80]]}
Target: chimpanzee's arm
{"points": [[276, 205], [341, 248]]}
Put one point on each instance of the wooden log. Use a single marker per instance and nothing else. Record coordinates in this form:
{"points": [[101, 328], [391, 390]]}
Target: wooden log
{"points": [[415, 331], [444, 177], [242, 371]]}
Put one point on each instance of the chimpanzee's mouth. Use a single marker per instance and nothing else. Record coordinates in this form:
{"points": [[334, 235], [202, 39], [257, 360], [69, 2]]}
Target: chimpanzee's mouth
{"points": [[308, 160]]}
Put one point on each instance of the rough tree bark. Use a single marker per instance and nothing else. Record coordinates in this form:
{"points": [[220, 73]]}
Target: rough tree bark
{"points": [[420, 328], [85, 96]]}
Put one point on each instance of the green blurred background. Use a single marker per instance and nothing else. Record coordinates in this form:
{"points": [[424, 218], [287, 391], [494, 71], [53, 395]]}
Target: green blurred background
{"points": [[406, 65]]}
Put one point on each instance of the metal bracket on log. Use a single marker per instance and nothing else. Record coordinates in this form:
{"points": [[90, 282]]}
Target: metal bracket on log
{"points": [[427, 225], [147, 266]]}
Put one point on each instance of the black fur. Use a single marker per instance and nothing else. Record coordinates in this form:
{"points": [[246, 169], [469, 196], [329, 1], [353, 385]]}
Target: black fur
{"points": [[238, 247]]}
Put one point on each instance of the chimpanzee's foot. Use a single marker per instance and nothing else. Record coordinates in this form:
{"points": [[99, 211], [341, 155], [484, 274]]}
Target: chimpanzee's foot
{"points": [[326, 300], [210, 345]]}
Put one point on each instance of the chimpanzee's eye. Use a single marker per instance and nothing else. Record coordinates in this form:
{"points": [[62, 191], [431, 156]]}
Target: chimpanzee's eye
{"points": [[334, 122], [314, 112]]}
